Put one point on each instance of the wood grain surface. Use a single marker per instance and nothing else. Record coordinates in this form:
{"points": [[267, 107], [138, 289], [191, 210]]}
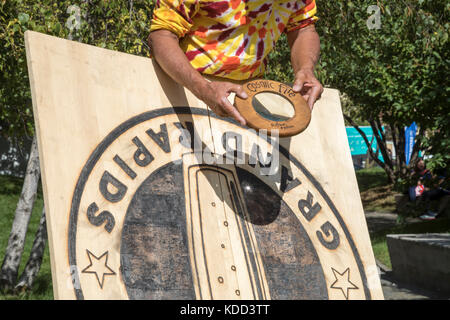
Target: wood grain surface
{"points": [[150, 195], [264, 109]]}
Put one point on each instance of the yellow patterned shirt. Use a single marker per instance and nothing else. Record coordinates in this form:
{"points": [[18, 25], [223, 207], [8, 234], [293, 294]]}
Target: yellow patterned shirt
{"points": [[231, 38]]}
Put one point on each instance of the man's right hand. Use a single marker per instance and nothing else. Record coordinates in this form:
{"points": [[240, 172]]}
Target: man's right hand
{"points": [[215, 95]]}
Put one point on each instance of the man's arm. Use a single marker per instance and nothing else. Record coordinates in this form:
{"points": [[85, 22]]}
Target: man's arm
{"points": [[305, 50], [167, 52]]}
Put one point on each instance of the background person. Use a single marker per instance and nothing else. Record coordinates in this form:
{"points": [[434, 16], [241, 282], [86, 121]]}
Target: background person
{"points": [[430, 187]]}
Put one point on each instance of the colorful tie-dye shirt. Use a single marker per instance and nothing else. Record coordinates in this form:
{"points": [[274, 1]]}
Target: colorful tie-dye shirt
{"points": [[231, 38]]}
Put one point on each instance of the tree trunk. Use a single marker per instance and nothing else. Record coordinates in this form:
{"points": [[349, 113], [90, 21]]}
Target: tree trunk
{"points": [[395, 134], [386, 168], [402, 171], [14, 250], [381, 142], [35, 260]]}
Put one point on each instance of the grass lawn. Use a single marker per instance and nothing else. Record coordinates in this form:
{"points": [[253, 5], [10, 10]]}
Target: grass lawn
{"points": [[370, 178], [376, 194], [378, 239]]}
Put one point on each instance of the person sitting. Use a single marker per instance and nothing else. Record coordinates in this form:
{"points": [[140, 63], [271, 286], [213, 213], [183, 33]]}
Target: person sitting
{"points": [[426, 190]]}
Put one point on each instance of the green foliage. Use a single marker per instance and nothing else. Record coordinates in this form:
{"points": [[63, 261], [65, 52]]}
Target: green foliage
{"points": [[10, 185], [397, 73], [370, 178], [113, 24]]}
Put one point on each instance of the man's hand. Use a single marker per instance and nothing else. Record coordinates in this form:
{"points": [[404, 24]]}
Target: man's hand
{"points": [[215, 94], [308, 86], [305, 50]]}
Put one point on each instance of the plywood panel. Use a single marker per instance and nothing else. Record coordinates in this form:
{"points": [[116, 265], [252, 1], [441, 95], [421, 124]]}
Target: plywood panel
{"points": [[142, 203]]}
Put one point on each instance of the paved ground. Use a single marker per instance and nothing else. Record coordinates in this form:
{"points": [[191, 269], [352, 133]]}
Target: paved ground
{"points": [[392, 289], [377, 221]]}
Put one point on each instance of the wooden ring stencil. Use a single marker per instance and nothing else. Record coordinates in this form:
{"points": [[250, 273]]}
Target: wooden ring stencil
{"points": [[287, 125]]}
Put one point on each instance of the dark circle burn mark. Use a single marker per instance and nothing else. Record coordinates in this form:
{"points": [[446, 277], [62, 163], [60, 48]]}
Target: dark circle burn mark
{"points": [[292, 271], [154, 251], [264, 210], [110, 138], [154, 237]]}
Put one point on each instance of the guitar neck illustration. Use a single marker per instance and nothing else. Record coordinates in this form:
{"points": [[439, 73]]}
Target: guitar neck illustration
{"points": [[225, 260]]}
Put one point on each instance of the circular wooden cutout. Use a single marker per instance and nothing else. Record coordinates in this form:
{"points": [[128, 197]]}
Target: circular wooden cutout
{"points": [[286, 128]]}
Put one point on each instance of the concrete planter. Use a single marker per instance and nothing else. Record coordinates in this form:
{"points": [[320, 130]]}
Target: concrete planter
{"points": [[422, 260]]}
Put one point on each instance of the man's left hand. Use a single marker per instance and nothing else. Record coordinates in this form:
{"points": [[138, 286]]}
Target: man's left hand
{"points": [[308, 86]]}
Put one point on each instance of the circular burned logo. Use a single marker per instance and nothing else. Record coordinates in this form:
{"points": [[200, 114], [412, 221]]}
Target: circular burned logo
{"points": [[167, 208]]}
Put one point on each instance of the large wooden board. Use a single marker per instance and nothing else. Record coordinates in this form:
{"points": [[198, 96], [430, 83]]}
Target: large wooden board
{"points": [[137, 209]]}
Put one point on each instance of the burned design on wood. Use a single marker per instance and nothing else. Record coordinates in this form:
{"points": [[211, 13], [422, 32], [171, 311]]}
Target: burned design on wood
{"points": [[99, 267], [258, 115], [292, 266], [168, 247], [154, 258], [232, 241], [342, 282], [97, 161]]}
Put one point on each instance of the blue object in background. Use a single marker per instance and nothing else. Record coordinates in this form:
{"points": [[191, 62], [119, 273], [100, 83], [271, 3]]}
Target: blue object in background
{"points": [[410, 137]]}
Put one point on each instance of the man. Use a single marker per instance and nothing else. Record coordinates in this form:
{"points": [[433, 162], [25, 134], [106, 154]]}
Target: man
{"points": [[231, 39]]}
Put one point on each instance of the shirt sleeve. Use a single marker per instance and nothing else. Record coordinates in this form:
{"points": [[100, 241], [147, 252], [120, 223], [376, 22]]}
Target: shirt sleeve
{"points": [[303, 17], [174, 15]]}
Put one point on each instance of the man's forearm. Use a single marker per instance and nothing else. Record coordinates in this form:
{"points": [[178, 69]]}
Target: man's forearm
{"points": [[305, 48], [167, 52]]}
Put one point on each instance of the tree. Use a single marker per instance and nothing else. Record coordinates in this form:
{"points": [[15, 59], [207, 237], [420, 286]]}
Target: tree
{"points": [[108, 24], [16, 242], [33, 265], [390, 61]]}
